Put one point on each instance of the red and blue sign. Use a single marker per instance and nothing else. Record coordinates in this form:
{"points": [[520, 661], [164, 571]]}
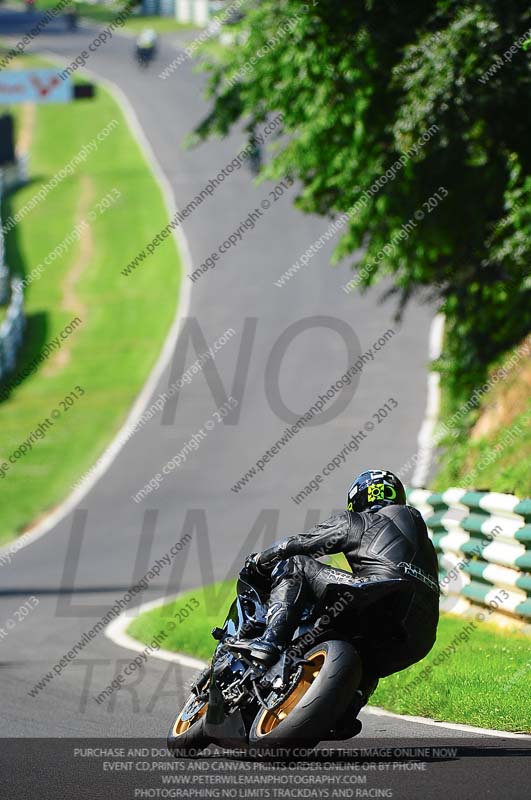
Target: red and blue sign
{"points": [[34, 86]]}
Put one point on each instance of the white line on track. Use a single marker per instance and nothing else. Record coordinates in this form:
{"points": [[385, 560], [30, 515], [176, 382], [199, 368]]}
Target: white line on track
{"points": [[116, 632], [426, 438], [453, 726], [105, 461]]}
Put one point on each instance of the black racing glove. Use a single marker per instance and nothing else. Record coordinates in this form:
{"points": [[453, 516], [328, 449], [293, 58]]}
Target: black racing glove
{"points": [[253, 566]]}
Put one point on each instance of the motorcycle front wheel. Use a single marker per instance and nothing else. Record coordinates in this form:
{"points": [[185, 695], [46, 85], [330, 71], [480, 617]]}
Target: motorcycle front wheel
{"points": [[186, 737], [322, 693]]}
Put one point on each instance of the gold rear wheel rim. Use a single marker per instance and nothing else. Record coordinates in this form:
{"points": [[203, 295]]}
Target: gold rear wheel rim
{"points": [[271, 719]]}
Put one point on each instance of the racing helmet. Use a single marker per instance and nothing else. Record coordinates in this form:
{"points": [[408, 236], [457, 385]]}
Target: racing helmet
{"points": [[375, 489]]}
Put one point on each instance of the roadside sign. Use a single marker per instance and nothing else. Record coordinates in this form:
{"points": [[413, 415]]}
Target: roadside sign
{"points": [[34, 86]]}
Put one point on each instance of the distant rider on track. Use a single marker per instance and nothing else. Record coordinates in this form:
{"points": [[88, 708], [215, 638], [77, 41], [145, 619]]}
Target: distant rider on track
{"points": [[146, 46]]}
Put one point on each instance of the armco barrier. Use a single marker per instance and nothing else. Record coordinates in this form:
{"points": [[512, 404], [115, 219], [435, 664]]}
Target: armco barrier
{"points": [[11, 291], [483, 543], [14, 174], [4, 272], [12, 329]]}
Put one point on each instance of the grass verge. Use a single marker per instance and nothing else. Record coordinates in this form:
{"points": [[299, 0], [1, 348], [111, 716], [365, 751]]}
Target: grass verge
{"points": [[489, 446], [124, 321], [105, 14], [159, 24], [485, 682], [191, 636]]}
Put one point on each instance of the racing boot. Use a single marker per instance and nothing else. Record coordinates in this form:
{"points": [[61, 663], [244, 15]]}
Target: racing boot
{"points": [[283, 615], [267, 648]]}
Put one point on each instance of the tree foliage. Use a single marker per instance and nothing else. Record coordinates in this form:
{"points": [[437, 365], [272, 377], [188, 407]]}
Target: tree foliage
{"points": [[359, 84]]}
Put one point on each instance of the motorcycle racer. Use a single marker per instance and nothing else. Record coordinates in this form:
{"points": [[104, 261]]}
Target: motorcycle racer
{"points": [[393, 578]]}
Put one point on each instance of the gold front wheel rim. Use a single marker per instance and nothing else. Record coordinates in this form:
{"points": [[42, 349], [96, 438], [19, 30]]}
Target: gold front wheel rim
{"points": [[271, 719], [181, 725]]}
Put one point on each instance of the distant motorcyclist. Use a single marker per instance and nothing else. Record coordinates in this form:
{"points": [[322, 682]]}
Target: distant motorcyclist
{"points": [[394, 579], [71, 17], [146, 46], [255, 154]]}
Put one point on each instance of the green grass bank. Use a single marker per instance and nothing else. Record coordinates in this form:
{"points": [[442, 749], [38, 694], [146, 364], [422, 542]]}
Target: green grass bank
{"points": [[76, 240], [484, 681]]}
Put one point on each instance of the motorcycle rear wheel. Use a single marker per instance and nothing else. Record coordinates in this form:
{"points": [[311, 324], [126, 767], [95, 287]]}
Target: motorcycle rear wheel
{"points": [[325, 688]]}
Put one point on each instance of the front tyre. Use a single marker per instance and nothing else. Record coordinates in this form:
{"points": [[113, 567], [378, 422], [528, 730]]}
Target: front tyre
{"points": [[319, 698], [186, 737]]}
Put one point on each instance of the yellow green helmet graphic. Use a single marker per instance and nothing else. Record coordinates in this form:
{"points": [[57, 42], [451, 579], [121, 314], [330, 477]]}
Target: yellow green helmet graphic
{"points": [[374, 489]]}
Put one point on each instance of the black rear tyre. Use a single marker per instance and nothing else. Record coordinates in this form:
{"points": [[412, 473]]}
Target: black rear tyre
{"points": [[319, 699]]}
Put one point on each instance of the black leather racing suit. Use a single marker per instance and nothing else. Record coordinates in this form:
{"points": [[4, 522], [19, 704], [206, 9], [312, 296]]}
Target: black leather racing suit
{"points": [[394, 582]]}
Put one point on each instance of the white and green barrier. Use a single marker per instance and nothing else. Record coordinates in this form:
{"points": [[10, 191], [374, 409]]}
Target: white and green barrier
{"points": [[195, 11], [483, 543]]}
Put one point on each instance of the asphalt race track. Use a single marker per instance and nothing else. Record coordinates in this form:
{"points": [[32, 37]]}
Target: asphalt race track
{"points": [[111, 540]]}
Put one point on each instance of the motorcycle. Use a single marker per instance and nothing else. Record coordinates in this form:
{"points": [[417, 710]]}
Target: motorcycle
{"points": [[307, 696], [255, 157], [71, 18], [145, 55]]}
